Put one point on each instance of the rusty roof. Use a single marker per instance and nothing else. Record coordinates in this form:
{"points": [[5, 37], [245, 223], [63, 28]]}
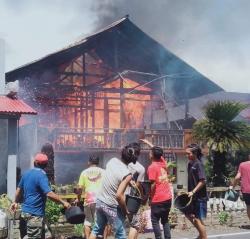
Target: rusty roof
{"points": [[11, 106]]}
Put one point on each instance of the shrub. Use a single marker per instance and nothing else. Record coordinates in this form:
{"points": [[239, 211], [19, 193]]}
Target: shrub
{"points": [[52, 211], [223, 217]]}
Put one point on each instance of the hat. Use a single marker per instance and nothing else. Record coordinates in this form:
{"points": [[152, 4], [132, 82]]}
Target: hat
{"points": [[41, 158]]}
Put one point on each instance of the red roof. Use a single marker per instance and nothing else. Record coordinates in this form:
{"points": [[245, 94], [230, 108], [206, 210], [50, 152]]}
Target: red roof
{"points": [[14, 106]]}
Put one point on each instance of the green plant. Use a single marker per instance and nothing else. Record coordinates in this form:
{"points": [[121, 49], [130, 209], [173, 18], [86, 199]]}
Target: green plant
{"points": [[78, 229], [223, 217], [222, 133], [52, 211], [5, 202], [171, 166]]}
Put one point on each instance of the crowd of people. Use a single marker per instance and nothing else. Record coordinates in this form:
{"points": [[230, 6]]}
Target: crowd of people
{"points": [[105, 193]]}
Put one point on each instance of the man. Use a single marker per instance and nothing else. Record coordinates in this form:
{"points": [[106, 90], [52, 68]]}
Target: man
{"points": [[161, 196], [243, 176], [110, 205], [138, 175], [34, 189], [90, 182], [49, 170], [197, 189]]}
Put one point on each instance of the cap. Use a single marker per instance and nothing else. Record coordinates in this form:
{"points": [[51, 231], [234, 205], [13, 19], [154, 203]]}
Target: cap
{"points": [[41, 158]]}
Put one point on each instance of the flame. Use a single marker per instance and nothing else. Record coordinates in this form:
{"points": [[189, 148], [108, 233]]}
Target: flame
{"points": [[117, 105]]}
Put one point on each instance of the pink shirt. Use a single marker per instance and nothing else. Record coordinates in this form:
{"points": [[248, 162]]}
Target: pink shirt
{"points": [[157, 172], [244, 170]]}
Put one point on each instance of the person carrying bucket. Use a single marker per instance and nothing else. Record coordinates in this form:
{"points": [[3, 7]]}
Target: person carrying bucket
{"points": [[110, 204], [243, 176], [197, 211], [138, 174], [161, 196], [34, 188]]}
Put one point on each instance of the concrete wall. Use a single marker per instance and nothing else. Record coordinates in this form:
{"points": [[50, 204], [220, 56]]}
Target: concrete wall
{"points": [[182, 170], [3, 155]]}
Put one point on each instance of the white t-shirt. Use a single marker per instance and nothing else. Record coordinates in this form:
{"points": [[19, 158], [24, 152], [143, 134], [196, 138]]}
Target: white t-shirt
{"points": [[115, 172], [137, 168]]}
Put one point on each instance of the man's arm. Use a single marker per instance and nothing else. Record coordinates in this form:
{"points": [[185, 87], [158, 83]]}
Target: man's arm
{"points": [[18, 196], [120, 197], [147, 142], [44, 186], [54, 197]]}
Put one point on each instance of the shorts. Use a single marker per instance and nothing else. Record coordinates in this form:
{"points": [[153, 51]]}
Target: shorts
{"points": [[34, 226], [198, 208], [134, 221], [246, 197], [89, 211]]}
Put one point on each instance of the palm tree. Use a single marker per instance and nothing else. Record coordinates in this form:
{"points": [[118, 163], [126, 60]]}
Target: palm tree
{"points": [[222, 133]]}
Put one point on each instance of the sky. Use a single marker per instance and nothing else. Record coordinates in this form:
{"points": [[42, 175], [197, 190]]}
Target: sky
{"points": [[211, 35]]}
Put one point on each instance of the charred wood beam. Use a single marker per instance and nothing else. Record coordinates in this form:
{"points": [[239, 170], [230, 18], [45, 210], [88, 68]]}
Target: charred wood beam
{"points": [[124, 91], [100, 98], [73, 88], [65, 73]]}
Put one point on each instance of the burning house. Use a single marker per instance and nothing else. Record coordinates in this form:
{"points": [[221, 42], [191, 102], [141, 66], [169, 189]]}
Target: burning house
{"points": [[102, 92]]}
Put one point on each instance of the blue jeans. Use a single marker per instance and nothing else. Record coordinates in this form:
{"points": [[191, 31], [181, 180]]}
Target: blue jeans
{"points": [[112, 215]]}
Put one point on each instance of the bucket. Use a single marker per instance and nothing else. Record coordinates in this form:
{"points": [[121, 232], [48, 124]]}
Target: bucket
{"points": [[133, 203], [183, 202], [74, 215], [231, 195]]}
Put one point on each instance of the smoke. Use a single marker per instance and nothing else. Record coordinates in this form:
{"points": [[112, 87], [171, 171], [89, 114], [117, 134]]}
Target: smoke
{"points": [[210, 35], [181, 21]]}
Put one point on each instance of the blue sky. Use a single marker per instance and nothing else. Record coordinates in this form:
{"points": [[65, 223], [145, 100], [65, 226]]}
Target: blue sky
{"points": [[213, 36]]}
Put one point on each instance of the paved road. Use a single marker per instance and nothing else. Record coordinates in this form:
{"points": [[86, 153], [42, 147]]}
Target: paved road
{"points": [[239, 235], [223, 235]]}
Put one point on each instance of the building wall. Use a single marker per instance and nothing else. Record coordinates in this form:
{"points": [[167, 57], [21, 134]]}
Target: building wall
{"points": [[182, 170], [4, 154]]}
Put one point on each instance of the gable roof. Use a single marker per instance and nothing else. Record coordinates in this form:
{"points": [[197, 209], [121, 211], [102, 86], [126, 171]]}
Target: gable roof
{"points": [[124, 46]]}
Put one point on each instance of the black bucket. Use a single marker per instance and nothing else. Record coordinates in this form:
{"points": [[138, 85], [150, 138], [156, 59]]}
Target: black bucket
{"points": [[183, 202], [133, 203], [74, 215]]}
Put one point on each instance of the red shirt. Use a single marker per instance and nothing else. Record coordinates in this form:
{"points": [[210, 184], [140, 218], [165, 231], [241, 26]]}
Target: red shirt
{"points": [[244, 170], [157, 172]]}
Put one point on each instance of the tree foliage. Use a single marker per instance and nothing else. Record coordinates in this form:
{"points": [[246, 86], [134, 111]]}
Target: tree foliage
{"points": [[219, 129]]}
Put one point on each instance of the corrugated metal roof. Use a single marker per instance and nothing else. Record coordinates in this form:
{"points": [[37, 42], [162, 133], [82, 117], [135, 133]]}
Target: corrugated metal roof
{"points": [[14, 106]]}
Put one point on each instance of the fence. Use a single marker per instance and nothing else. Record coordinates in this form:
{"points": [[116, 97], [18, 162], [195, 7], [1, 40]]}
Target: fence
{"points": [[77, 139]]}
